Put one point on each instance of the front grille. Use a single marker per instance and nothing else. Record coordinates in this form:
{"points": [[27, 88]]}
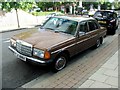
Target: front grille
{"points": [[24, 48]]}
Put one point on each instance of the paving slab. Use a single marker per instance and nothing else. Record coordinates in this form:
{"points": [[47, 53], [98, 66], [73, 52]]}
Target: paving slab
{"points": [[101, 70], [100, 85], [98, 77], [112, 81], [109, 66], [87, 84], [111, 73]]}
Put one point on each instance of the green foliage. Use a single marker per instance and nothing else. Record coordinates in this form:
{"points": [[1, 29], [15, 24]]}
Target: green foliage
{"points": [[8, 6], [117, 4], [86, 5], [26, 5], [45, 5], [42, 13]]}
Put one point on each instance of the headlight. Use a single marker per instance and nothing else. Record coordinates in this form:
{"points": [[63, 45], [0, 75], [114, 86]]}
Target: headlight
{"points": [[38, 53], [13, 42], [41, 53]]}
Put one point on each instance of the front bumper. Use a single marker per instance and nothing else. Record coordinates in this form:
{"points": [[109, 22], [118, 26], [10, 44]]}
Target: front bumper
{"points": [[31, 59]]}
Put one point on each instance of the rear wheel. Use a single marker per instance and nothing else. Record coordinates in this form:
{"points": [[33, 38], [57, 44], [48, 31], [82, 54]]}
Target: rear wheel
{"points": [[98, 42], [113, 32]]}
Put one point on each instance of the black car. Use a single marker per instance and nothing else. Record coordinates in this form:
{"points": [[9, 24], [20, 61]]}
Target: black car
{"points": [[108, 19]]}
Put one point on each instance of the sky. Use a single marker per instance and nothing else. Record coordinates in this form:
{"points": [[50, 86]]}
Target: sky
{"points": [[113, 0]]}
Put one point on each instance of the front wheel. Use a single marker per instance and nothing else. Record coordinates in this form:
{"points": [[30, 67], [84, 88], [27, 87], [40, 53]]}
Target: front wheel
{"points": [[59, 63]]}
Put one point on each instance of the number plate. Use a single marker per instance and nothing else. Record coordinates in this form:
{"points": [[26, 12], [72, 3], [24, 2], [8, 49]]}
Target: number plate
{"points": [[104, 22], [20, 56]]}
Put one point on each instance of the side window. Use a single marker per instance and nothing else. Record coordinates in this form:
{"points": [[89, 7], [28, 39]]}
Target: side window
{"points": [[92, 25], [96, 25], [83, 27], [115, 15]]}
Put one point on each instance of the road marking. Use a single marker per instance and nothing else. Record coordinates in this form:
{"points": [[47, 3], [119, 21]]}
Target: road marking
{"points": [[6, 41]]}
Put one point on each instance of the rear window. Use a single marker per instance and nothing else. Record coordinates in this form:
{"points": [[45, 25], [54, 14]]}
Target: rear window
{"points": [[92, 25], [104, 14]]}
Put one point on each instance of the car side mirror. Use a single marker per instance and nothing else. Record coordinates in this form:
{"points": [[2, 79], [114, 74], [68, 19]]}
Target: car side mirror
{"points": [[99, 15], [81, 33]]}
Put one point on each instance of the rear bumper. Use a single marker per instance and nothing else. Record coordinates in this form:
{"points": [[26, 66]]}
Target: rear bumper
{"points": [[31, 59]]}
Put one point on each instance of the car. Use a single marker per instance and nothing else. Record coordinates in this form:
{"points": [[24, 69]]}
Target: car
{"points": [[108, 19], [84, 12], [36, 9], [54, 14], [119, 18], [91, 12], [58, 39]]}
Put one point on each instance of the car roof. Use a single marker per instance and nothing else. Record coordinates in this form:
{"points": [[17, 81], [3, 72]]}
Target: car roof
{"points": [[76, 18], [107, 10]]}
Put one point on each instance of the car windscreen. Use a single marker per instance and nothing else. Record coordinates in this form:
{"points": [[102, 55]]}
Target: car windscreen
{"points": [[61, 25]]}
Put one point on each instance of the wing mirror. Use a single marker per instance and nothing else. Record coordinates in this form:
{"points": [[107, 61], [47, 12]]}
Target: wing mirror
{"points": [[81, 33], [99, 15]]}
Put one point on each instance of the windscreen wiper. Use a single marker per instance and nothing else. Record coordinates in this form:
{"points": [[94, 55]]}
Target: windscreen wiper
{"points": [[49, 28], [57, 31]]}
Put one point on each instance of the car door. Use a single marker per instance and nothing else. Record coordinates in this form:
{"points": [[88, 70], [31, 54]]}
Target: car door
{"points": [[93, 31], [88, 35], [83, 36]]}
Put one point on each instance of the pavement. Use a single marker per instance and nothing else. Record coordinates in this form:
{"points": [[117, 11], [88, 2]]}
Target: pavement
{"points": [[106, 76]]}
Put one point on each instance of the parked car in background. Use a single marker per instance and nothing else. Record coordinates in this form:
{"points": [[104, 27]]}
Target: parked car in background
{"points": [[91, 12], [58, 39], [54, 14], [84, 12], [119, 19], [36, 9], [108, 19]]}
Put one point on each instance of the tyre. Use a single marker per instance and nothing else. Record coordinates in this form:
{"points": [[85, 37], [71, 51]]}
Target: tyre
{"points": [[98, 42], [59, 63], [113, 32]]}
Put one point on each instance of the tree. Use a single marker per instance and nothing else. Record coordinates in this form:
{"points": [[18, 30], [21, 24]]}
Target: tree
{"points": [[117, 4], [8, 6]]}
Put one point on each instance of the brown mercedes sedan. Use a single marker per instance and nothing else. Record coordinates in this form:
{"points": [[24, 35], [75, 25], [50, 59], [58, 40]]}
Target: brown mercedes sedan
{"points": [[58, 39]]}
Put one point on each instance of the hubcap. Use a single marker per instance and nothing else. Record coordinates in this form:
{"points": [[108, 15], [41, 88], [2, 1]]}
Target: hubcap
{"points": [[98, 43], [60, 63]]}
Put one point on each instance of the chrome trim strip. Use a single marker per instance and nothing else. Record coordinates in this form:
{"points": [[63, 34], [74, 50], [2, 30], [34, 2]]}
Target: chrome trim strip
{"points": [[33, 59], [24, 43], [62, 49]]}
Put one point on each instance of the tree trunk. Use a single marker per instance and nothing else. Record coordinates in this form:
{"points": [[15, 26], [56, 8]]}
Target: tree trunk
{"points": [[17, 18]]}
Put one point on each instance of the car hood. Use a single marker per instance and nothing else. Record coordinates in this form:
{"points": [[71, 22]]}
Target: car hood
{"points": [[42, 39]]}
